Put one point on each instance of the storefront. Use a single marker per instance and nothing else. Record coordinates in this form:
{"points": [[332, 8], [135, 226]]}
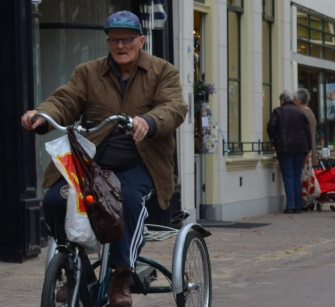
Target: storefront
{"points": [[314, 54]]}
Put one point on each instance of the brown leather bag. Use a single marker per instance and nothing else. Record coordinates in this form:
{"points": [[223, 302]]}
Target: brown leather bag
{"points": [[101, 191]]}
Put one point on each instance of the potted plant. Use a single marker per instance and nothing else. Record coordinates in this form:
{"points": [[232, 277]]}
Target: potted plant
{"points": [[202, 91]]}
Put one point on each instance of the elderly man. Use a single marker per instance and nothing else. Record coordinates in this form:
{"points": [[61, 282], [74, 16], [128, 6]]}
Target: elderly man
{"points": [[288, 128], [132, 82]]}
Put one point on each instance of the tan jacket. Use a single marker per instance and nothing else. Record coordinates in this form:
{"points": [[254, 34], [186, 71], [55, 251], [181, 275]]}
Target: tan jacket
{"points": [[153, 89], [312, 124]]}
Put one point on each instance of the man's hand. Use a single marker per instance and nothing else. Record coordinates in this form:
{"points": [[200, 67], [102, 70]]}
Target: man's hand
{"points": [[140, 129], [28, 124]]}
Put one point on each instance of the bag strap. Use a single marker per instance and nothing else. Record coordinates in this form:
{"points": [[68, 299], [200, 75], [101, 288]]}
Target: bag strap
{"points": [[76, 145], [79, 155]]}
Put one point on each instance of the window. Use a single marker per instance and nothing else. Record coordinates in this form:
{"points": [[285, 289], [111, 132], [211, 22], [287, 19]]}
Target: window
{"points": [[236, 5], [315, 35], [198, 47], [70, 33], [234, 77], [268, 19], [268, 10]]}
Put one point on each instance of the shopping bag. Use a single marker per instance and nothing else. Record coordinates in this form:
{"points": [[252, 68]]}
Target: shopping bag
{"points": [[310, 184], [77, 225], [101, 191]]}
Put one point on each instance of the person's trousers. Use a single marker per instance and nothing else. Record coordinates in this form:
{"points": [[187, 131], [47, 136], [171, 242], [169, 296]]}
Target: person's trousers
{"points": [[291, 165], [136, 186]]}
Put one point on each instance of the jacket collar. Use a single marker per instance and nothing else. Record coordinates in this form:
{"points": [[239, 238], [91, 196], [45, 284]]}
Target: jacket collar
{"points": [[142, 62]]}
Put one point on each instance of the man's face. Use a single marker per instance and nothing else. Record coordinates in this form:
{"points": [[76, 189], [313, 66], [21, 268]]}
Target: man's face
{"points": [[124, 45]]}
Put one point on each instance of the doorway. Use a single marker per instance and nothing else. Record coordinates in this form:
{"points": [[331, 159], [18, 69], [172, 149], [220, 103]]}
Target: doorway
{"points": [[199, 78]]}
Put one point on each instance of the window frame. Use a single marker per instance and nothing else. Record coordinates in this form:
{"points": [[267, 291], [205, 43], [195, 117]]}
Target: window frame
{"points": [[269, 21], [307, 41], [238, 11]]}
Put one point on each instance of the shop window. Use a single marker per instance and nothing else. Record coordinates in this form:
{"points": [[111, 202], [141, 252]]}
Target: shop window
{"points": [[200, 97], [70, 33], [321, 86], [198, 47], [330, 106]]}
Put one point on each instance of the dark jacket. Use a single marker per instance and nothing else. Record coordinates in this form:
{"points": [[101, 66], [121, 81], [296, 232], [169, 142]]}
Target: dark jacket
{"points": [[153, 89], [289, 130]]}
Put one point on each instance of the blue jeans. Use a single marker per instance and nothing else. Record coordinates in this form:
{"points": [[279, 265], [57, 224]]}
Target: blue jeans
{"points": [[291, 165]]}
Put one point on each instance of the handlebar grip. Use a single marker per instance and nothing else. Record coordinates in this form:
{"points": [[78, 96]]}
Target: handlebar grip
{"points": [[33, 119]]}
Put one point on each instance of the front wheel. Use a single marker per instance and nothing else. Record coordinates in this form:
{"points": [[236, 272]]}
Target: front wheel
{"points": [[196, 272], [58, 283]]}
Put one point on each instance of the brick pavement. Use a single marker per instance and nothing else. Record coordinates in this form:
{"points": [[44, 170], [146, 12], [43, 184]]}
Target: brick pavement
{"points": [[248, 264]]}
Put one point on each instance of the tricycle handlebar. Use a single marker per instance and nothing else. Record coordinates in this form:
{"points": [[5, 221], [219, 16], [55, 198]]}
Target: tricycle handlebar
{"points": [[126, 123]]}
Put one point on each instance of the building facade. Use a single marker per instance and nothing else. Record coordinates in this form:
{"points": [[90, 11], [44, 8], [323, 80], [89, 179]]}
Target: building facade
{"points": [[251, 51], [234, 57]]}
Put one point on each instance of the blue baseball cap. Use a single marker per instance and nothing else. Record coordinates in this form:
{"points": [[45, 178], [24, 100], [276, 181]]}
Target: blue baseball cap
{"points": [[123, 20]]}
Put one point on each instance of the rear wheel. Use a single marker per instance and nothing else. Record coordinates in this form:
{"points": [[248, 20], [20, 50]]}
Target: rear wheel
{"points": [[196, 272]]}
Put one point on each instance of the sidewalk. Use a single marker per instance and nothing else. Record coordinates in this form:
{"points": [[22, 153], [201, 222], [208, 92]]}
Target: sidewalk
{"points": [[256, 262]]}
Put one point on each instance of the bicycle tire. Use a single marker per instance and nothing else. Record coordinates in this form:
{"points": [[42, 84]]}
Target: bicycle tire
{"points": [[196, 273], [57, 275]]}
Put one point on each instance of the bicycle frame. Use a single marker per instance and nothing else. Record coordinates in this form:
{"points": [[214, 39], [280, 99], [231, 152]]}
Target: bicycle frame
{"points": [[146, 269], [140, 288], [174, 276]]}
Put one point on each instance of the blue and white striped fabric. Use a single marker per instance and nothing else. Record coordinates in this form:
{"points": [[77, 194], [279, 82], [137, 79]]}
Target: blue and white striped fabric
{"points": [[152, 16]]}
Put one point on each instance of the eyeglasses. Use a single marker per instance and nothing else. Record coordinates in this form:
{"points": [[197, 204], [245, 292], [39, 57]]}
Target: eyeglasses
{"points": [[123, 40]]}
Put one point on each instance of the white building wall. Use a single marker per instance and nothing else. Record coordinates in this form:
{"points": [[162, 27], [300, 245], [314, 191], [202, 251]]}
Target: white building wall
{"points": [[249, 185], [183, 44]]}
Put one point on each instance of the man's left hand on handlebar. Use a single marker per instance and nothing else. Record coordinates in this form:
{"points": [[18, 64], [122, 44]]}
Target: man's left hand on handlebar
{"points": [[140, 129]]}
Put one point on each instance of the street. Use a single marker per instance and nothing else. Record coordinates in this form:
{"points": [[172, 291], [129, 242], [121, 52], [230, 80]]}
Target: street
{"points": [[270, 261]]}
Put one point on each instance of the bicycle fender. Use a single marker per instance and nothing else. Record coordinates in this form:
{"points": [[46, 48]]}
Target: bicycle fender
{"points": [[51, 251], [177, 261]]}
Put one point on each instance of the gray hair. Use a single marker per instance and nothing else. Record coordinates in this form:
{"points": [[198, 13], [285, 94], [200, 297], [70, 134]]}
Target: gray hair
{"points": [[285, 96], [302, 95]]}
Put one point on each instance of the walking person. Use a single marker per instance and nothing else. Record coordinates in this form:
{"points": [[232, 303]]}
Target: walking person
{"points": [[288, 128], [132, 82]]}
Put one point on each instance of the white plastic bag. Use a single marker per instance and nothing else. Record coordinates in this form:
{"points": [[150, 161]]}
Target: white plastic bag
{"points": [[310, 185], [77, 225]]}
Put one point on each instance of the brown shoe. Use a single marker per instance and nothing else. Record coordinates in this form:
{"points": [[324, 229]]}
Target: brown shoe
{"points": [[63, 294], [120, 294]]}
